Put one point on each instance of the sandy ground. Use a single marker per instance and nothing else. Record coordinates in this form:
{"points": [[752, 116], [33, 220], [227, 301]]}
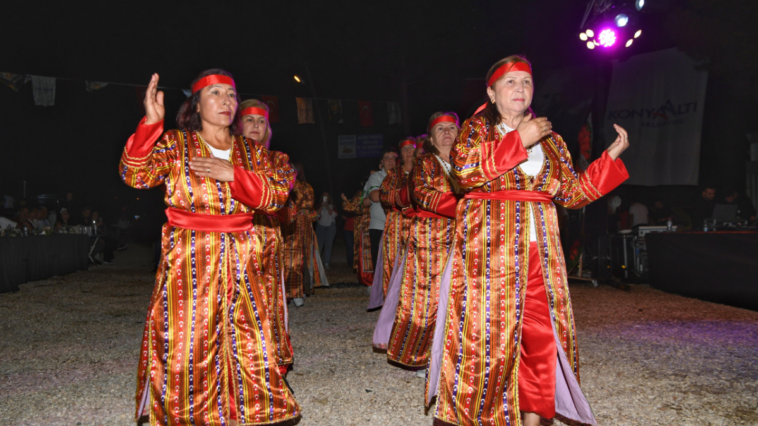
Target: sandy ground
{"points": [[69, 348]]}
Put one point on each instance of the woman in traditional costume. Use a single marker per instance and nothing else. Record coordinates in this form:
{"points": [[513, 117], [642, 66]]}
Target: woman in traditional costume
{"points": [[362, 261], [429, 242], [508, 346], [255, 126], [395, 198], [352, 207], [302, 263], [207, 353]]}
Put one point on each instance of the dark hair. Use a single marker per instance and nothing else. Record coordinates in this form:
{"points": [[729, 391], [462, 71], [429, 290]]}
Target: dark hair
{"points": [[428, 145], [490, 112], [188, 118], [387, 149], [729, 191]]}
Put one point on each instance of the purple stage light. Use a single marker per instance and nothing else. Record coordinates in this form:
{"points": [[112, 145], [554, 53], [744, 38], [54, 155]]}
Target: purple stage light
{"points": [[607, 37]]}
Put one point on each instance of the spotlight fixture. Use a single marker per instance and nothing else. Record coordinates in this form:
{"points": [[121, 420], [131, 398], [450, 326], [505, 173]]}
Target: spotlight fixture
{"points": [[607, 37], [621, 20], [629, 42], [298, 79], [611, 23]]}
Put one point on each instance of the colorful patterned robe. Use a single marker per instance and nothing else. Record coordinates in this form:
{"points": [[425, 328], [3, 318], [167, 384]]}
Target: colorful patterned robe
{"points": [[479, 370], [300, 264], [397, 225], [362, 242], [268, 230], [207, 349], [427, 250]]}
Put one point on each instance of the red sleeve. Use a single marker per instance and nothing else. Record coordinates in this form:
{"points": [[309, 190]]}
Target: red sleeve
{"points": [[142, 141], [447, 205], [249, 188], [506, 154], [603, 176]]}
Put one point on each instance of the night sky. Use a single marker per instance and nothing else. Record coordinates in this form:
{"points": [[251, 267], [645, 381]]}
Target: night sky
{"points": [[422, 53]]}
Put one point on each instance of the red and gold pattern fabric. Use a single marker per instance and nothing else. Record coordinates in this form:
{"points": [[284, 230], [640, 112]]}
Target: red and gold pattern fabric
{"points": [[267, 229], [479, 370], [298, 241], [430, 238], [362, 242], [397, 225], [207, 352]]}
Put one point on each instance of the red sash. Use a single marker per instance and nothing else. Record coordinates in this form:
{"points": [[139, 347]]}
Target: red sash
{"points": [[209, 222], [513, 195]]}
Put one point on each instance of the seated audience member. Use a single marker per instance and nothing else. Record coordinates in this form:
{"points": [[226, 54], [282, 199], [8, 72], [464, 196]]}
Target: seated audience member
{"points": [[745, 208], [85, 218], [702, 208], [23, 220], [639, 214], [64, 220], [660, 214], [39, 218]]}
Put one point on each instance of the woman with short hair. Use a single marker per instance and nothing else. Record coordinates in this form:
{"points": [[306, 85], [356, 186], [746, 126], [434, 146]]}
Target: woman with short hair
{"points": [[508, 346], [207, 355]]}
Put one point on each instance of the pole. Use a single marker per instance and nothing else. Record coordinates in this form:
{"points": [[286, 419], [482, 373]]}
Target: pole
{"points": [[320, 121]]}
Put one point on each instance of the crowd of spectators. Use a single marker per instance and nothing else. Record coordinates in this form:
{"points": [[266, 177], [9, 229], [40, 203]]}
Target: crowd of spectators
{"points": [[630, 210], [47, 216]]}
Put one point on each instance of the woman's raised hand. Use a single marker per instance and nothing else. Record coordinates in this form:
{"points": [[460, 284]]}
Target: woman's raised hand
{"points": [[154, 108], [620, 144], [533, 129]]}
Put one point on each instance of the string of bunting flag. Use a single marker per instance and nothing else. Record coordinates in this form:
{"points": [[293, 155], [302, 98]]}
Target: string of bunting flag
{"points": [[43, 89]]}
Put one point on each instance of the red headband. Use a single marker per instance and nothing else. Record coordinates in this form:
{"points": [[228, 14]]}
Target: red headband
{"points": [[212, 79], [254, 110], [505, 69], [406, 142], [442, 119]]}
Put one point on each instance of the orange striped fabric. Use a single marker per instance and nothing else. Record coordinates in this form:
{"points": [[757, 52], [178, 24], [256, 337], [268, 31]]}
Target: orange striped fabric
{"points": [[479, 378], [207, 351], [298, 240], [428, 245], [396, 226]]}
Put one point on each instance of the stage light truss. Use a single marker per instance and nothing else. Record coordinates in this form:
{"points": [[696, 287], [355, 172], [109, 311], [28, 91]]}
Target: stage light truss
{"points": [[610, 23]]}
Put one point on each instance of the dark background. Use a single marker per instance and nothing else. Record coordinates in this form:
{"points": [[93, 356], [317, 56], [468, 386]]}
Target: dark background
{"points": [[429, 56]]}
